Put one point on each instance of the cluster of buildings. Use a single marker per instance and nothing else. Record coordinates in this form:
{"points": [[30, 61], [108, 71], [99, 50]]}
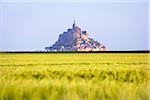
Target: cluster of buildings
{"points": [[75, 40]]}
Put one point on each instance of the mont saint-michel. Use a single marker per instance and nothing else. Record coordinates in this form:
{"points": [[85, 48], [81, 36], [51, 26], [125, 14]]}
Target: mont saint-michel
{"points": [[74, 39]]}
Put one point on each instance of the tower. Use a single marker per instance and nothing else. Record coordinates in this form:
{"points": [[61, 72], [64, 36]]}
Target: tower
{"points": [[73, 22]]}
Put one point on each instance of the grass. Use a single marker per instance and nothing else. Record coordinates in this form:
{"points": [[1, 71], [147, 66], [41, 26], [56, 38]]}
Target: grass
{"points": [[74, 76]]}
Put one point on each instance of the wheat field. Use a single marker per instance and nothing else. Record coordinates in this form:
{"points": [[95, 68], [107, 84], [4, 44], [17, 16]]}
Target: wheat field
{"points": [[74, 76]]}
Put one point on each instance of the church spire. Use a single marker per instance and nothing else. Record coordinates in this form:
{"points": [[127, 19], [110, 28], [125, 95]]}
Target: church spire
{"points": [[73, 22]]}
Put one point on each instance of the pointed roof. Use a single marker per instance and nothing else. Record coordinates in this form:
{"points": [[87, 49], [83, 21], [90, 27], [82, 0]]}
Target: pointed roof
{"points": [[73, 22]]}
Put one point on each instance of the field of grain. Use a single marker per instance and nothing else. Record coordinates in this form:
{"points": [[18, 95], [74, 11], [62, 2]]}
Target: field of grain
{"points": [[74, 76]]}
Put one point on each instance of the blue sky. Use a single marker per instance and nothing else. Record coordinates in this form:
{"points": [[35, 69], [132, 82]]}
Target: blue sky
{"points": [[33, 25]]}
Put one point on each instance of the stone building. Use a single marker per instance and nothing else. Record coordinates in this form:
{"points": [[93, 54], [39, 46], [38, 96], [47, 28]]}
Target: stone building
{"points": [[74, 39]]}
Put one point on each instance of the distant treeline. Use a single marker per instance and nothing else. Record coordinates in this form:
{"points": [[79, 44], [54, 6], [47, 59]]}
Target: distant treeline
{"points": [[140, 51]]}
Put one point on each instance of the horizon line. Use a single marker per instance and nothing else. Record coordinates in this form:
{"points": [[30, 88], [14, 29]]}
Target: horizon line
{"points": [[125, 51]]}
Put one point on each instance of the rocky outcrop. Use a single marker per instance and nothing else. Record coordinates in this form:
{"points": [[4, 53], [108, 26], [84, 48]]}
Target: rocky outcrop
{"points": [[76, 40]]}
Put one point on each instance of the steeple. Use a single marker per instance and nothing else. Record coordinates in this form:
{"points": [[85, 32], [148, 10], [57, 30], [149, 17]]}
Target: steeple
{"points": [[73, 22]]}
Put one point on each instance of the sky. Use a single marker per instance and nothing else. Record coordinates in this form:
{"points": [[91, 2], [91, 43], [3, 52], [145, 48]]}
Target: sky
{"points": [[35, 24]]}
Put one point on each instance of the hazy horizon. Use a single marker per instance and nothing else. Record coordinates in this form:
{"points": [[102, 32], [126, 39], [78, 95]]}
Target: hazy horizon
{"points": [[34, 25]]}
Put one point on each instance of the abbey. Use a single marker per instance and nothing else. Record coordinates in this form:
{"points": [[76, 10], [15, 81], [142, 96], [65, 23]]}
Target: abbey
{"points": [[76, 40]]}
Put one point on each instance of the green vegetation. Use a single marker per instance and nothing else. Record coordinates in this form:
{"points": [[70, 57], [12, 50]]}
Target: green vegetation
{"points": [[74, 76]]}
